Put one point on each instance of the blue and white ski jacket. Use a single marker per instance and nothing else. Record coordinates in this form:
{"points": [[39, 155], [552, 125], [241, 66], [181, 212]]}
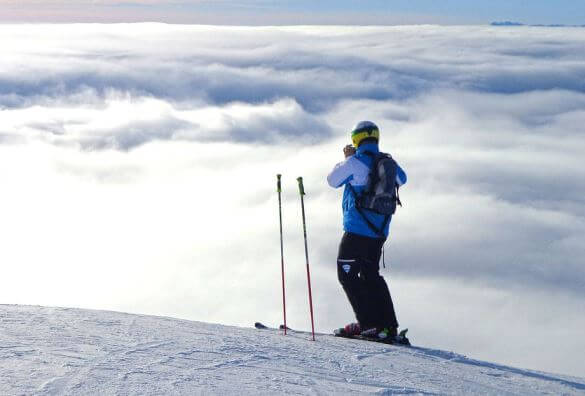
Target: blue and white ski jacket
{"points": [[355, 171]]}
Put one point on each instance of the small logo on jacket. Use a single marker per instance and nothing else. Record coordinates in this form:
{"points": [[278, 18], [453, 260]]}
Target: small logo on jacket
{"points": [[346, 268]]}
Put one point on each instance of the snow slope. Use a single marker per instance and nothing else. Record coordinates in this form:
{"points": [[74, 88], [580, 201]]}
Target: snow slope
{"points": [[73, 351]]}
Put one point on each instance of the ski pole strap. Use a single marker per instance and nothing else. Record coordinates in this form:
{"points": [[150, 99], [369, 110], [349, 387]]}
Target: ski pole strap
{"points": [[301, 187], [278, 188]]}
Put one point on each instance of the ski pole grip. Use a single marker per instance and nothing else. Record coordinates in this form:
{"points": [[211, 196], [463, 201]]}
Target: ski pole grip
{"points": [[278, 188], [301, 187]]}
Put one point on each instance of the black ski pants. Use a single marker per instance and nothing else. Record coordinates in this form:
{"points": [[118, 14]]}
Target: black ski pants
{"points": [[358, 271]]}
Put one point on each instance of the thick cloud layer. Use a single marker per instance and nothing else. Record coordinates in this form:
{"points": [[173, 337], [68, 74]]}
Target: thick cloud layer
{"points": [[138, 164], [318, 67]]}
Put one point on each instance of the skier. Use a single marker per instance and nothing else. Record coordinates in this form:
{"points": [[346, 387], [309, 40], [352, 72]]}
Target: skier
{"points": [[364, 235]]}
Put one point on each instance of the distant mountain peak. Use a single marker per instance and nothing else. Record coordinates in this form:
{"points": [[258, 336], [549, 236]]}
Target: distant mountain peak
{"points": [[506, 23], [512, 23]]}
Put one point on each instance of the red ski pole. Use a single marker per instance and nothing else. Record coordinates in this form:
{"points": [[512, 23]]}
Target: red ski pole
{"points": [[279, 190], [302, 192]]}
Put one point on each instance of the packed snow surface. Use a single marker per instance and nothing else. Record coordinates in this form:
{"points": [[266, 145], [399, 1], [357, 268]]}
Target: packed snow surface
{"points": [[73, 351]]}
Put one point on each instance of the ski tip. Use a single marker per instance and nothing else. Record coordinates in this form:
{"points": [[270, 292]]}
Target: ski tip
{"points": [[259, 325]]}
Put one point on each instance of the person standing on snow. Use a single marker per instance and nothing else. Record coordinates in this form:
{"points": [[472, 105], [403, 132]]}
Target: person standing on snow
{"points": [[365, 233]]}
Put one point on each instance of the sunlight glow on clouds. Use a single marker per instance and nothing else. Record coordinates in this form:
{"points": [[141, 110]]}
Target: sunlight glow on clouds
{"points": [[138, 167]]}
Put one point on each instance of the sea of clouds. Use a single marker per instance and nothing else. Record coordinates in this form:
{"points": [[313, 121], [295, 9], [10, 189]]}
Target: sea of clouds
{"points": [[138, 163]]}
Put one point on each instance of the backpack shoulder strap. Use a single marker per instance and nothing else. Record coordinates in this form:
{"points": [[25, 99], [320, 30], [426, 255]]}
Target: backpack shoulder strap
{"points": [[371, 226], [372, 175]]}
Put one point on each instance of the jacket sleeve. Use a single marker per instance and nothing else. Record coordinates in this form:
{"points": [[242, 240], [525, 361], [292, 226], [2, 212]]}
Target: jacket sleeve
{"points": [[400, 176], [341, 174]]}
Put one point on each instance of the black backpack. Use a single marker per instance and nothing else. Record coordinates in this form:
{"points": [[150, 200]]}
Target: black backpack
{"points": [[381, 192]]}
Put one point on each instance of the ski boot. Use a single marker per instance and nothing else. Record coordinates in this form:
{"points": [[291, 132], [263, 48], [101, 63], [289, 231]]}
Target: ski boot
{"points": [[349, 330]]}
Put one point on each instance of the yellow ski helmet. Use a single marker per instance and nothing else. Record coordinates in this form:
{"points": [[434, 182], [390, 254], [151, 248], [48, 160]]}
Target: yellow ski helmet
{"points": [[364, 130]]}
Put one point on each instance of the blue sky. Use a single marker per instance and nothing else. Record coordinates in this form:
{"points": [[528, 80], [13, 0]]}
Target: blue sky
{"points": [[261, 12], [537, 11]]}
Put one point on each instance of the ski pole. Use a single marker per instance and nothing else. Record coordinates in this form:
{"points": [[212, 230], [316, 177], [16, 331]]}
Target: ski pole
{"points": [[279, 190], [302, 192]]}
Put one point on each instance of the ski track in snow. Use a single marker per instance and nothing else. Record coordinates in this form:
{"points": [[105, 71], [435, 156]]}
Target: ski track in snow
{"points": [[49, 351]]}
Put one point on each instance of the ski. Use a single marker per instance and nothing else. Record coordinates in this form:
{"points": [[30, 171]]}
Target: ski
{"points": [[400, 339], [262, 326]]}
